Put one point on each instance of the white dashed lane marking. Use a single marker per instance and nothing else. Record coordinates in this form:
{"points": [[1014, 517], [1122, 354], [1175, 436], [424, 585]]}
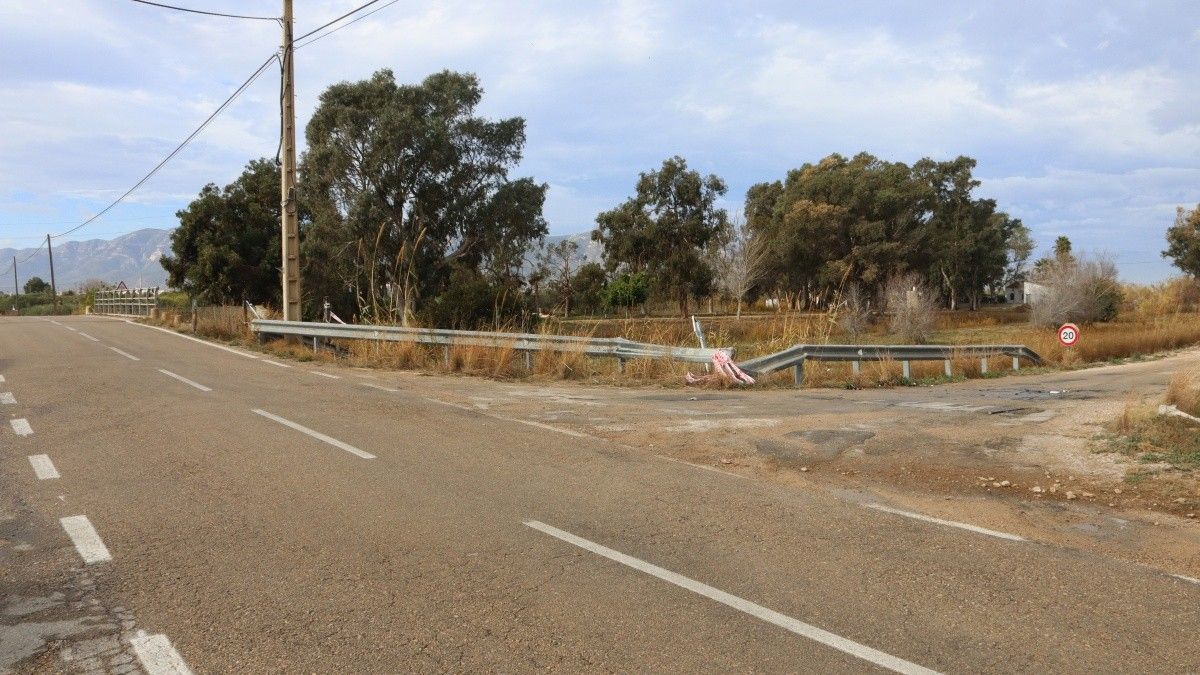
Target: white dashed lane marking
{"points": [[276, 363], [20, 427], [157, 655], [91, 548], [332, 377], [949, 523], [7, 398], [379, 387], [127, 355], [783, 621], [43, 468], [315, 434], [89, 336], [184, 380]]}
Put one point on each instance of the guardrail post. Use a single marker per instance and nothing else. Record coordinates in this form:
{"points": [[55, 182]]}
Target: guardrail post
{"points": [[983, 365], [905, 370], [946, 363], [620, 365], [528, 361], [446, 354], [1016, 363], [798, 373], [857, 366]]}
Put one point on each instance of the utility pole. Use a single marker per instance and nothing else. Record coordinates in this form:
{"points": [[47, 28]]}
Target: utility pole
{"points": [[290, 236], [53, 287], [16, 288]]}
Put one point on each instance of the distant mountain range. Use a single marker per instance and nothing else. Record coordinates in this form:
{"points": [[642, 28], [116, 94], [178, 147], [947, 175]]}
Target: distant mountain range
{"points": [[132, 258]]}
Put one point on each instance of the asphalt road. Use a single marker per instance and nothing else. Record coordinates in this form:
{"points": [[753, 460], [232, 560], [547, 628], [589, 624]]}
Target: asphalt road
{"points": [[260, 517]]}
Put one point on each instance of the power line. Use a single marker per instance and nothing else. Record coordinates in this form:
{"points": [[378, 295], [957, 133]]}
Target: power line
{"points": [[201, 11], [327, 25], [347, 24], [238, 92]]}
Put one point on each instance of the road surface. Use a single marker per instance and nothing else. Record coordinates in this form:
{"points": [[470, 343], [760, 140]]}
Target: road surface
{"points": [[167, 505]]}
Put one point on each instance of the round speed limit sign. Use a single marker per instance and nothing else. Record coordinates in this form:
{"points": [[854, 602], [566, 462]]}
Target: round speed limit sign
{"points": [[1068, 334]]}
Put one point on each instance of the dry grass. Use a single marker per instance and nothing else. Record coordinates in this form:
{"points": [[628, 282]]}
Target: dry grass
{"points": [[751, 336], [1182, 393], [1163, 440]]}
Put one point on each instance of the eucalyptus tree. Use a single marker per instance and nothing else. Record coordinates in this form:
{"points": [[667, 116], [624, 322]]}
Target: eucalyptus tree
{"points": [[409, 188], [665, 229]]}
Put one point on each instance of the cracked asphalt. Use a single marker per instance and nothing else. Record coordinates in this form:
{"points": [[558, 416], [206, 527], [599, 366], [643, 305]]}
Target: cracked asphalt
{"points": [[255, 547]]}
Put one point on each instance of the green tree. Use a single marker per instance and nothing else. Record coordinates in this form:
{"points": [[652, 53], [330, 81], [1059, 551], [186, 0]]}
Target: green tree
{"points": [[589, 285], [837, 223], [36, 285], [627, 290], [409, 188], [1183, 241], [665, 228], [226, 248], [1062, 249]]}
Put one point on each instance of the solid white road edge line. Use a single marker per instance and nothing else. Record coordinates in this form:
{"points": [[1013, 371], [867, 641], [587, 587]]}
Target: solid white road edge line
{"points": [[89, 336], [43, 468], [701, 466], [1186, 578], [547, 427], [7, 398], [539, 425], [796, 626], [184, 380], [276, 363], [20, 427], [86, 541], [379, 387], [315, 434], [223, 348], [157, 655], [127, 355], [332, 377], [948, 523]]}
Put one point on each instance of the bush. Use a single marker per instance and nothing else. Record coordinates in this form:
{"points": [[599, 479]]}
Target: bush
{"points": [[854, 314], [1080, 291], [910, 304], [627, 290]]}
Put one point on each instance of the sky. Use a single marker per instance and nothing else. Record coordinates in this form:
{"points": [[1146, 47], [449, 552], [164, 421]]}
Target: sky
{"points": [[1082, 115]]}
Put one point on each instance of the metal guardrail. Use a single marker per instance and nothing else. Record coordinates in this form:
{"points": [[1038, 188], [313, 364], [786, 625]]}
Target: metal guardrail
{"points": [[795, 356], [126, 302], [617, 348]]}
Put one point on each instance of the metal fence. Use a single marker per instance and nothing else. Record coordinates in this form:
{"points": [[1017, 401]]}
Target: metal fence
{"points": [[617, 348], [794, 357], [126, 302]]}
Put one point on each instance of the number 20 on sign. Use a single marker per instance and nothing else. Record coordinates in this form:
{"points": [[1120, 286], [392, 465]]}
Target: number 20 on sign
{"points": [[1068, 334]]}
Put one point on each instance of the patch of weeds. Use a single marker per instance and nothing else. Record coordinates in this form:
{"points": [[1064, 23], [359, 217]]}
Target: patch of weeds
{"points": [[1137, 477], [1161, 439]]}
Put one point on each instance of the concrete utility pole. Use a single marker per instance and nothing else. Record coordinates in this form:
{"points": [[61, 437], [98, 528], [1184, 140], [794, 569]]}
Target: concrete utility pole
{"points": [[290, 235], [16, 288], [53, 287]]}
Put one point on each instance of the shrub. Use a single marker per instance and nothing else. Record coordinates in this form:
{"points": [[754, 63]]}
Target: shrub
{"points": [[627, 290], [854, 314], [910, 304], [1082, 291]]}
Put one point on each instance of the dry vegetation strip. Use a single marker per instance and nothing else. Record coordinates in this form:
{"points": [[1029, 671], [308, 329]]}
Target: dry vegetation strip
{"points": [[749, 336]]}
